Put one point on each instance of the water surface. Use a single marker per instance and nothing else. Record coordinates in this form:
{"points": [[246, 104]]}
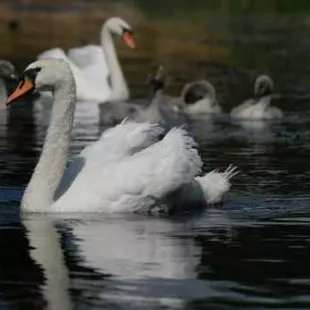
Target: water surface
{"points": [[251, 252]]}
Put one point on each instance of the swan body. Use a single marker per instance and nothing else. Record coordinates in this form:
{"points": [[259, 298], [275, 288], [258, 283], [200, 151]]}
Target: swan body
{"points": [[258, 108], [88, 55], [96, 68], [127, 169]]}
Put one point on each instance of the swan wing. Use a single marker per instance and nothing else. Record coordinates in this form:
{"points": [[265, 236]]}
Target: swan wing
{"points": [[88, 88], [114, 144], [58, 53], [55, 53], [134, 183], [122, 140], [91, 60], [86, 55]]}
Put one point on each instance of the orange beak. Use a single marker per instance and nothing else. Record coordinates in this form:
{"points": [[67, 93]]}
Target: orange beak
{"points": [[23, 87], [129, 39]]}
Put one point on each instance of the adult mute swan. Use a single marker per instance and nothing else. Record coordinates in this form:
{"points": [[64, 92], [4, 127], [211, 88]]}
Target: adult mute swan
{"points": [[97, 71], [258, 107], [125, 170]]}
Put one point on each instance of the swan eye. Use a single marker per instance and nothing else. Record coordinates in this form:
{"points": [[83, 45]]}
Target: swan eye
{"points": [[126, 30], [32, 73]]}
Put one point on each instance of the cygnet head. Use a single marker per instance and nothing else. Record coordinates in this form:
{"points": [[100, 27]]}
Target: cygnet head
{"points": [[198, 90], [7, 70], [42, 75], [157, 81], [263, 86], [118, 27]]}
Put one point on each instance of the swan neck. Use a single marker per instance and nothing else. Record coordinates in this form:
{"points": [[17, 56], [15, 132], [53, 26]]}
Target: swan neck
{"points": [[155, 99], [49, 170], [264, 101], [119, 89]]}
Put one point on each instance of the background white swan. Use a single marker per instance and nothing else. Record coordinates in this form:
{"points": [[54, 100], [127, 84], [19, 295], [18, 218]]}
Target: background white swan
{"points": [[96, 68], [123, 171], [98, 75], [258, 107]]}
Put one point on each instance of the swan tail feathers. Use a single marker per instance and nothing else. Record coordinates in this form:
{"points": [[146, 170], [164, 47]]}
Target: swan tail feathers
{"points": [[216, 184]]}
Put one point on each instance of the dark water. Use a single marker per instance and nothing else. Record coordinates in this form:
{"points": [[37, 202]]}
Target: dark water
{"points": [[252, 252]]}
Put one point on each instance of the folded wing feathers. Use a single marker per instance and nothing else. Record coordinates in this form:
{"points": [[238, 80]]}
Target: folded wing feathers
{"points": [[53, 53], [177, 164], [122, 140], [141, 179], [86, 55]]}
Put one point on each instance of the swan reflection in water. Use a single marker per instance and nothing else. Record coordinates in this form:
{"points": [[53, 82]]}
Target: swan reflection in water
{"points": [[136, 259], [45, 249]]}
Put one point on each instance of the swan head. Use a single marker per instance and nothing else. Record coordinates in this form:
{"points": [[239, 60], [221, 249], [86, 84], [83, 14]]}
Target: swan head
{"points": [[198, 90], [263, 86], [7, 70], [118, 27], [157, 81], [41, 75]]}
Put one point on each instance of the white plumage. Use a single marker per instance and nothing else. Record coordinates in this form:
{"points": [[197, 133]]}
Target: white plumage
{"points": [[96, 69], [130, 168]]}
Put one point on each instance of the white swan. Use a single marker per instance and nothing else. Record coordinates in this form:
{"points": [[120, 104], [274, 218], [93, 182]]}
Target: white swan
{"points": [[125, 170], [258, 107], [99, 77]]}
